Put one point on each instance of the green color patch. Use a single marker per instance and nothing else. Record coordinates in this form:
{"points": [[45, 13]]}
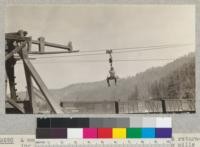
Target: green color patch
{"points": [[134, 133]]}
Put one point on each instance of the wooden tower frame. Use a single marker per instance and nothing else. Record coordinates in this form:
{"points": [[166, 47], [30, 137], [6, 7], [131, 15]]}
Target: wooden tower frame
{"points": [[19, 43]]}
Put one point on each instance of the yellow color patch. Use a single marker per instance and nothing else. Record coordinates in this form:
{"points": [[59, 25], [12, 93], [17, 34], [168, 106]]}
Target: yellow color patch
{"points": [[119, 132]]}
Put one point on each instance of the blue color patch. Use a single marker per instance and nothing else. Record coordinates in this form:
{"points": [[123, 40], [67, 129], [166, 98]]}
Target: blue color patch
{"points": [[148, 133]]}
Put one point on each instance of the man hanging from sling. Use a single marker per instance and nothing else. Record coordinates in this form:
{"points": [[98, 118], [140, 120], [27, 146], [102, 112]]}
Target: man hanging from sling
{"points": [[112, 75]]}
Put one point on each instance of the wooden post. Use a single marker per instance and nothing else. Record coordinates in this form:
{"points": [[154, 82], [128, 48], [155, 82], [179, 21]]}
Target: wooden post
{"points": [[116, 107], [11, 79], [41, 44], [29, 43], [163, 106], [70, 46], [10, 71]]}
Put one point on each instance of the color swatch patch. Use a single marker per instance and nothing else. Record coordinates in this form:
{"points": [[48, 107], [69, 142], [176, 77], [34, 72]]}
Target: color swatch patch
{"points": [[75, 133], [148, 133], [119, 132], [90, 133], [134, 133], [163, 132], [104, 132]]}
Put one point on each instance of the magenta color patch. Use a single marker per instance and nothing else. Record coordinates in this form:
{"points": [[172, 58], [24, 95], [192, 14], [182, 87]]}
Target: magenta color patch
{"points": [[89, 132]]}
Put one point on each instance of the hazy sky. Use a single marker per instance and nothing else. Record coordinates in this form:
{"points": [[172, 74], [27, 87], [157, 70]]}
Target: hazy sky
{"points": [[93, 27]]}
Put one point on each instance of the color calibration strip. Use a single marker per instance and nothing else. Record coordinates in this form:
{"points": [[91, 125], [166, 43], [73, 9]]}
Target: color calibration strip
{"points": [[103, 128]]}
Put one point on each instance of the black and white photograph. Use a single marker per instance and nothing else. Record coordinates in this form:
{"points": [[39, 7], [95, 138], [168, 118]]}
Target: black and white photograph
{"points": [[100, 59]]}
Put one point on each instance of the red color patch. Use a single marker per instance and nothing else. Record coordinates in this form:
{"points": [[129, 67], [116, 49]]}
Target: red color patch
{"points": [[104, 132]]}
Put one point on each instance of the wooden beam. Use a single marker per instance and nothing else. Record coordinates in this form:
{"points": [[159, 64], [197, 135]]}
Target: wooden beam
{"points": [[50, 99], [66, 47], [17, 37], [55, 52]]}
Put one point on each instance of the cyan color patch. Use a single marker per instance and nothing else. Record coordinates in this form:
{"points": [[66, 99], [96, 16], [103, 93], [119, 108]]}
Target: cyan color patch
{"points": [[148, 133]]}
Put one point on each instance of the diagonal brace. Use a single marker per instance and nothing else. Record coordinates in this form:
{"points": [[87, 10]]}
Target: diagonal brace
{"points": [[50, 99], [14, 104]]}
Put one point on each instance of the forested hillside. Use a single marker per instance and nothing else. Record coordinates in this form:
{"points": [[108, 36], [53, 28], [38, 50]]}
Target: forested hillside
{"points": [[177, 84]]}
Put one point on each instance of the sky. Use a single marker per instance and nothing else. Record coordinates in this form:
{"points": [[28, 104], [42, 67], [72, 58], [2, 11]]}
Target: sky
{"points": [[94, 27]]}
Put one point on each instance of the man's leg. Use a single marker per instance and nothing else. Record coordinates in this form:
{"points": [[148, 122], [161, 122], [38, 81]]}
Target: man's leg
{"points": [[108, 81], [115, 80]]}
